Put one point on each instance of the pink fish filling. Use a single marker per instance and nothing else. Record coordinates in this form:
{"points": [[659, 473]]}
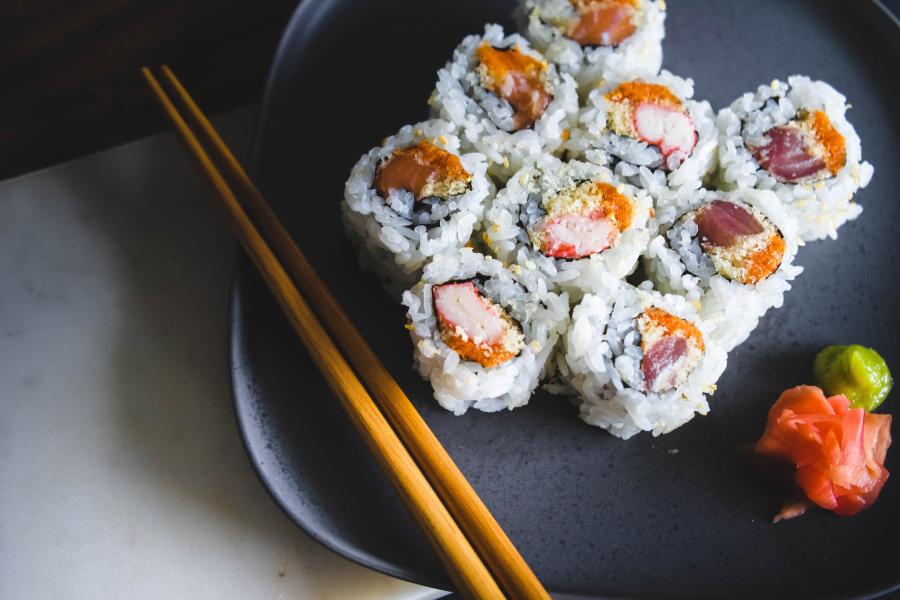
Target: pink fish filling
{"points": [[576, 235], [672, 131], [661, 360], [461, 307], [722, 223], [787, 154], [477, 329]]}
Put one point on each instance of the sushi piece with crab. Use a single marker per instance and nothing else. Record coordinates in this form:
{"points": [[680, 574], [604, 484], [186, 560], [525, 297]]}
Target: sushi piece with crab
{"points": [[597, 39], [482, 335], [639, 360], [507, 100], [650, 131], [414, 195], [576, 222], [794, 138], [732, 255]]}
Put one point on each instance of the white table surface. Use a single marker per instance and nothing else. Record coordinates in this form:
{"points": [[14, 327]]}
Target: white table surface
{"points": [[122, 474]]}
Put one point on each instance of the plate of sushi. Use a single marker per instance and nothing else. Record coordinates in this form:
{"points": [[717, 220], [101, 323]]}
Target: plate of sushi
{"points": [[632, 260]]}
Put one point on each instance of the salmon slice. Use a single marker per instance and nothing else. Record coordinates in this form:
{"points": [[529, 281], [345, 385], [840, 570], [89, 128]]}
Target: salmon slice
{"points": [[603, 22], [424, 170], [476, 328], [518, 78]]}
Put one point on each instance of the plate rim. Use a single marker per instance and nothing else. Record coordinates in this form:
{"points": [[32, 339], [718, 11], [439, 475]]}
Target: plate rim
{"points": [[304, 17]]}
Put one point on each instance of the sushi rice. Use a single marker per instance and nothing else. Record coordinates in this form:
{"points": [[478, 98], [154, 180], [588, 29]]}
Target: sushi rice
{"points": [[524, 199], [676, 263], [547, 22], [390, 243], [460, 384], [819, 207], [487, 121], [601, 359], [603, 161], [636, 160]]}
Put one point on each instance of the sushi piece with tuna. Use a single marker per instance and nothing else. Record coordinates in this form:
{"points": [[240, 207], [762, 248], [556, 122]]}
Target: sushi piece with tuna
{"points": [[651, 132], [506, 99], [597, 39], [411, 197], [639, 360], [794, 138], [575, 222], [482, 335], [732, 255]]}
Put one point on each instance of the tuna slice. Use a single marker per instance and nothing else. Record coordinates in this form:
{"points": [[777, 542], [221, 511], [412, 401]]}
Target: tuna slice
{"points": [[722, 223], [660, 362], [669, 129], [787, 156], [473, 326], [604, 23], [575, 235]]}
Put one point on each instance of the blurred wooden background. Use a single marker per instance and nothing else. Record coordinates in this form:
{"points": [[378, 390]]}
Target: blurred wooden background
{"points": [[69, 69]]}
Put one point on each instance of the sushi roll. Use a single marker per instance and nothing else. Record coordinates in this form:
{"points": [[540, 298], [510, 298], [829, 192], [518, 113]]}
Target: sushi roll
{"points": [[508, 101], [411, 197], [639, 360], [482, 335], [651, 131], [794, 138], [732, 255], [575, 222], [597, 39]]}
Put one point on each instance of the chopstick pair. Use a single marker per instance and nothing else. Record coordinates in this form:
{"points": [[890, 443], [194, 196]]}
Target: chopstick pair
{"points": [[480, 559]]}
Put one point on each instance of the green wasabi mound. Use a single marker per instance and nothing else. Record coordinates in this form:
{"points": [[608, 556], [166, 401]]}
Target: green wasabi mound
{"points": [[857, 372]]}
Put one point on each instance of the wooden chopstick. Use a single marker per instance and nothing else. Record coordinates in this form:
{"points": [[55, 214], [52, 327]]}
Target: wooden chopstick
{"points": [[463, 564], [505, 562]]}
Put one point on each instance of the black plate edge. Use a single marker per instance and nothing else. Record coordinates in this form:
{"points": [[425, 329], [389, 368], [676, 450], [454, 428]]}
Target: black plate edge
{"points": [[304, 16]]}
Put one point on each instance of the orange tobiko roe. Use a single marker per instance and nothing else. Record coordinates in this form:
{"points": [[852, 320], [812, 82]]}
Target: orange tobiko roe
{"points": [[639, 92], [614, 205], [838, 451], [766, 261], [831, 140]]}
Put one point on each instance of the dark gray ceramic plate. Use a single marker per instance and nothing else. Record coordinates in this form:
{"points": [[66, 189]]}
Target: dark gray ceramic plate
{"points": [[593, 515]]}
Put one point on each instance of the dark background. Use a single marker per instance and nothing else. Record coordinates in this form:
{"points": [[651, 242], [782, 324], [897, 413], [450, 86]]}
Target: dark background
{"points": [[69, 71]]}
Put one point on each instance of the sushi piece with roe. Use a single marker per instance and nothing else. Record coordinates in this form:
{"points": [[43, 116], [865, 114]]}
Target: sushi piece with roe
{"points": [[574, 221], [482, 334], [507, 100], [597, 39], [733, 254], [793, 137], [650, 131]]}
